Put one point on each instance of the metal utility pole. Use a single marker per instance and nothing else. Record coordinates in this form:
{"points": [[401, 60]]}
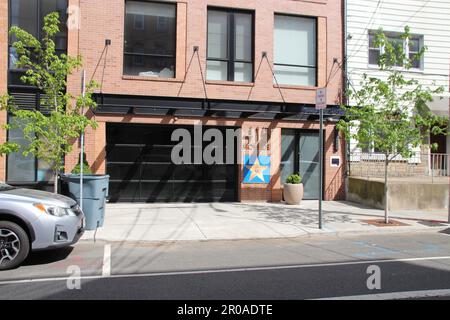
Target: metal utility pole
{"points": [[83, 92], [321, 104], [321, 169]]}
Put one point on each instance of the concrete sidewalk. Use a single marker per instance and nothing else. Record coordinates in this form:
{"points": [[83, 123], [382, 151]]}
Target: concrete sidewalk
{"points": [[234, 221]]}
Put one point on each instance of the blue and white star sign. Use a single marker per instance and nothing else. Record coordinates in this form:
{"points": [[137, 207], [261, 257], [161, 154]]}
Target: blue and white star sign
{"points": [[257, 169]]}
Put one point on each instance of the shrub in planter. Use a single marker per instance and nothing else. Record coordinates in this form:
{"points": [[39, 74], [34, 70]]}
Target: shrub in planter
{"points": [[86, 168], [293, 189]]}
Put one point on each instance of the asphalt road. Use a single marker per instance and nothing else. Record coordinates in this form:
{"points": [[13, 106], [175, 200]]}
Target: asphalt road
{"points": [[410, 265]]}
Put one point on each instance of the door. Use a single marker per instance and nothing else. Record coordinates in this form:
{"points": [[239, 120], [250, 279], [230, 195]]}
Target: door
{"points": [[309, 166], [300, 154], [138, 160]]}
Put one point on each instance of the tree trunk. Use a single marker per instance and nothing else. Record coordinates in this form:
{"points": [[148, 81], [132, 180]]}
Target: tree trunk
{"points": [[55, 187], [386, 194]]}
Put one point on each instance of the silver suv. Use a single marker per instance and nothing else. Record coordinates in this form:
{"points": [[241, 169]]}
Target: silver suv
{"points": [[35, 220]]}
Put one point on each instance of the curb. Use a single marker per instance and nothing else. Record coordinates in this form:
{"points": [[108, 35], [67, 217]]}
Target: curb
{"points": [[308, 235]]}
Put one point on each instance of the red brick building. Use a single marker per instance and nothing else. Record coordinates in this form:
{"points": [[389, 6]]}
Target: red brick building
{"points": [[164, 65]]}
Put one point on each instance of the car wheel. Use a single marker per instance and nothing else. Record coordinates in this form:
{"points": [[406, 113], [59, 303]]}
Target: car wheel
{"points": [[14, 245]]}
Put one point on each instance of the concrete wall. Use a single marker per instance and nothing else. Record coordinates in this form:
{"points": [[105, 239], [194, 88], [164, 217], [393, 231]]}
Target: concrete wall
{"points": [[367, 192], [402, 196]]}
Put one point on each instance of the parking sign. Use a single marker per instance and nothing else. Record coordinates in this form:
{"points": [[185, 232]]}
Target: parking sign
{"points": [[321, 99]]}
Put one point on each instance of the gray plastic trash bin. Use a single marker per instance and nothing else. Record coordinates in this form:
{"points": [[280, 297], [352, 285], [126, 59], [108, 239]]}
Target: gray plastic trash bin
{"points": [[95, 192]]}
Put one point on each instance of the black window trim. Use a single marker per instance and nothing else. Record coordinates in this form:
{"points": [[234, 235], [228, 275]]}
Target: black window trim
{"points": [[316, 26], [231, 60], [174, 56], [39, 37]]}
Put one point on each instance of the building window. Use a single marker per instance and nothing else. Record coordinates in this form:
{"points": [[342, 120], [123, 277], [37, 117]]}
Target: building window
{"points": [[139, 22], [415, 44], [374, 50], [230, 45], [411, 46], [29, 15], [150, 39], [24, 169], [295, 57]]}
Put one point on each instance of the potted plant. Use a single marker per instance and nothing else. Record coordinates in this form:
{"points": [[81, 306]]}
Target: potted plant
{"points": [[86, 167], [293, 189]]}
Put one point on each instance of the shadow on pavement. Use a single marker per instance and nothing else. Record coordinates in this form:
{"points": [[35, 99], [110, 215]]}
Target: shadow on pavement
{"points": [[290, 283], [48, 256]]}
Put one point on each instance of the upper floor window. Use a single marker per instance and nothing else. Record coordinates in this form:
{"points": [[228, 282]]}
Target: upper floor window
{"points": [[230, 45], [150, 39], [29, 15], [295, 57], [411, 48]]}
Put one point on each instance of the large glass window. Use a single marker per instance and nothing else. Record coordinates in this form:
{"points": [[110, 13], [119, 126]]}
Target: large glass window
{"points": [[150, 39], [295, 50], [23, 169], [230, 46], [29, 15]]}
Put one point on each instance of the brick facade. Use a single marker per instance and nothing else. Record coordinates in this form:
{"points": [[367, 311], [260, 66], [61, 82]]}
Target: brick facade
{"points": [[104, 19]]}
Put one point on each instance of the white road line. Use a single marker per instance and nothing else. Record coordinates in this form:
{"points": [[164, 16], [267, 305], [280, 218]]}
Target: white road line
{"points": [[397, 295], [106, 271], [212, 271]]}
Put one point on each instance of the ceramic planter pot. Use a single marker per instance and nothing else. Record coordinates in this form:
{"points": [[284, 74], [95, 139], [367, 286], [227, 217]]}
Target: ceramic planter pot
{"points": [[293, 193]]}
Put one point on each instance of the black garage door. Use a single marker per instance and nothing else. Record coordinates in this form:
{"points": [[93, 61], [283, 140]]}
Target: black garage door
{"points": [[138, 160]]}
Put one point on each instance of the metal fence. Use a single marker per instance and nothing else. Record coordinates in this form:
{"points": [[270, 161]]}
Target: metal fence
{"points": [[419, 165]]}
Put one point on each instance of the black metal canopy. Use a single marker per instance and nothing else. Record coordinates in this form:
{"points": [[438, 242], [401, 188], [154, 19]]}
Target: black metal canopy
{"points": [[189, 107]]}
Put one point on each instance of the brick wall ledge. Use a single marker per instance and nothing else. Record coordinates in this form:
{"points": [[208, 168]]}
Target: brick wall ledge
{"points": [[229, 83], [143, 78], [294, 87]]}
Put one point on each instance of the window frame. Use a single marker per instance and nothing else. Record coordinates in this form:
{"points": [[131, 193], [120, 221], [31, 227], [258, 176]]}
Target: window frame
{"points": [[39, 24], [418, 37], [316, 39], [37, 106], [143, 55], [231, 40], [15, 88]]}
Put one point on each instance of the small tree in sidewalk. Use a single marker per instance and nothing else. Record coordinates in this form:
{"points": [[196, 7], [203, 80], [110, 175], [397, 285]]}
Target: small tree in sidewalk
{"points": [[390, 112], [51, 130]]}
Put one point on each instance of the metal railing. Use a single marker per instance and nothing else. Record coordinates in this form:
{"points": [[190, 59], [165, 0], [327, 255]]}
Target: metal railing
{"points": [[432, 165], [439, 165]]}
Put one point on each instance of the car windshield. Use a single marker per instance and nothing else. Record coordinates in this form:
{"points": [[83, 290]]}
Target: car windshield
{"points": [[5, 187]]}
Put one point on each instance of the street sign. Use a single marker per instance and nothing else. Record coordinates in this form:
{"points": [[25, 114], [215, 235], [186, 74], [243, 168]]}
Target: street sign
{"points": [[321, 99]]}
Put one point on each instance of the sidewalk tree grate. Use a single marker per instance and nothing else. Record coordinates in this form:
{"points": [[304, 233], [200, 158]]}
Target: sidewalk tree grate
{"points": [[381, 223], [432, 223]]}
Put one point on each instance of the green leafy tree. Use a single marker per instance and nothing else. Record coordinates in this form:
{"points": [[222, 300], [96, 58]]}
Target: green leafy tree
{"points": [[390, 112], [50, 131]]}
